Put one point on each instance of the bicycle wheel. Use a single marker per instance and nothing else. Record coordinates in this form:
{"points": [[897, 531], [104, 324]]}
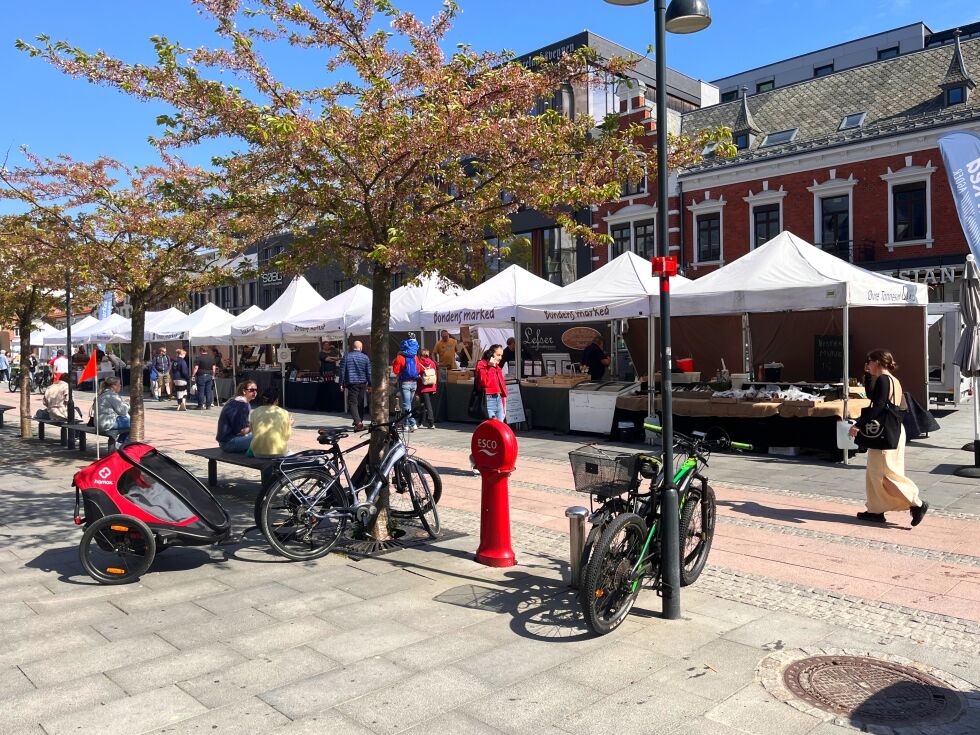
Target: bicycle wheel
{"points": [[423, 502], [290, 523], [608, 592], [117, 549], [400, 500], [697, 530], [13, 384]]}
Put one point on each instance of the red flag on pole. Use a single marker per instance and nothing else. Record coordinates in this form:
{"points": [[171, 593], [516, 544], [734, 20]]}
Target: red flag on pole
{"points": [[91, 370]]}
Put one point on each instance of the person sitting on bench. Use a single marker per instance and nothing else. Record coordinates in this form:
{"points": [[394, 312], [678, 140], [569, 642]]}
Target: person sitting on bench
{"points": [[55, 401], [234, 433], [113, 412], [271, 427]]}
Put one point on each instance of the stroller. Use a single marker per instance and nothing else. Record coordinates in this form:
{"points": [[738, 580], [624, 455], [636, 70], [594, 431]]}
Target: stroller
{"points": [[137, 502]]}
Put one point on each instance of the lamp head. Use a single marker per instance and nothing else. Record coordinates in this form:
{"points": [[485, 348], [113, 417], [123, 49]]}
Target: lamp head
{"points": [[687, 16]]}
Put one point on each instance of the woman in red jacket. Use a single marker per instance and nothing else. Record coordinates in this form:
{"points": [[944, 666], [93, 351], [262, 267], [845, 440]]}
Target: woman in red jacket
{"points": [[426, 391], [490, 379]]}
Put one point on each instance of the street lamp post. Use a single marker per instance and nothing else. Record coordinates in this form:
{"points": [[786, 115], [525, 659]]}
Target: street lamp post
{"points": [[683, 16]]}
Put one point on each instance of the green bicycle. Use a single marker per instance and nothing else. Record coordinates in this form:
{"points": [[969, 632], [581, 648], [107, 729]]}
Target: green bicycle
{"points": [[623, 550]]}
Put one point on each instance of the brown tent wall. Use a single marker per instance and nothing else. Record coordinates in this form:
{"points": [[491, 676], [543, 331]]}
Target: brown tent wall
{"points": [[900, 329], [788, 337], [707, 339]]}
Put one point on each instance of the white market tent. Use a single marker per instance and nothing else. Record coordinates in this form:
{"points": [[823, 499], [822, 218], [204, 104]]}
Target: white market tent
{"points": [[159, 325], [332, 317], [59, 336], [789, 274], [267, 327], [407, 303], [493, 303], [623, 288], [114, 329], [205, 326]]}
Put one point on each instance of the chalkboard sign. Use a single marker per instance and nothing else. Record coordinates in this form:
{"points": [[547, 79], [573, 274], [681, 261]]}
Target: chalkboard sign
{"points": [[515, 404], [828, 357]]}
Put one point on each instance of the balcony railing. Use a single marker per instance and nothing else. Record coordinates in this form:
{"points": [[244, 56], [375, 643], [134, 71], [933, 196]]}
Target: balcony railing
{"points": [[849, 250]]}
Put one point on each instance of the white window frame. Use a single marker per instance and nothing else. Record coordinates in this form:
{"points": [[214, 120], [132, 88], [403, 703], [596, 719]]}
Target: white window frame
{"points": [[909, 175], [832, 187], [708, 206], [629, 216], [764, 197]]}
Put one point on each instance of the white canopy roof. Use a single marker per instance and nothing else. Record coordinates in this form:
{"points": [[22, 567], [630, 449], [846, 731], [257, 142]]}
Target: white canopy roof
{"points": [[621, 289], [331, 317], [159, 325], [493, 302], [59, 336], [298, 297], [37, 337], [113, 329], [408, 300], [208, 325], [790, 274]]}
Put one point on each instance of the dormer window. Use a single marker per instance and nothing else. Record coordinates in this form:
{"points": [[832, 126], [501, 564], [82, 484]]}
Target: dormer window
{"points": [[742, 141], [854, 120], [955, 96], [783, 136]]}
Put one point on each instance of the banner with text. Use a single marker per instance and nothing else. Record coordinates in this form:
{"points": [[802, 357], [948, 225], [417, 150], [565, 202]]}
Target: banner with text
{"points": [[961, 154]]}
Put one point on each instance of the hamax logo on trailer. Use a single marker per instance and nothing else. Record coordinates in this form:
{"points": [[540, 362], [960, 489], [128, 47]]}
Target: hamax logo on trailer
{"points": [[105, 473], [485, 445]]}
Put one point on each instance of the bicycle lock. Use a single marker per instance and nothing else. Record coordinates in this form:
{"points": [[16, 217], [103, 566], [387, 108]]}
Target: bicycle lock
{"points": [[494, 448]]}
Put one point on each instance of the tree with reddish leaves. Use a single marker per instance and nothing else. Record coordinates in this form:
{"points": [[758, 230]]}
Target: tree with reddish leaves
{"points": [[402, 158]]}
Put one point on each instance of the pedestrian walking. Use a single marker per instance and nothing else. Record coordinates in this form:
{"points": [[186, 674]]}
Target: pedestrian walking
{"points": [[181, 376], [234, 430], [887, 487], [161, 366], [428, 384], [407, 370], [355, 381], [204, 370]]}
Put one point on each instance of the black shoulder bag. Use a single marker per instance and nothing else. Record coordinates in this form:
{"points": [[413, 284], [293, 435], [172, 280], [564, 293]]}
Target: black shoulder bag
{"points": [[478, 402], [884, 432]]}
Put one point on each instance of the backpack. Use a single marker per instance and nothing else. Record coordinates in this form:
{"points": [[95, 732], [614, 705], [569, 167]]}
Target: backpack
{"points": [[411, 369]]}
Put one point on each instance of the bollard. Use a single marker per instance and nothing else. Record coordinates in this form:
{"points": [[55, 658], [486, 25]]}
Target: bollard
{"points": [[494, 448], [576, 516]]}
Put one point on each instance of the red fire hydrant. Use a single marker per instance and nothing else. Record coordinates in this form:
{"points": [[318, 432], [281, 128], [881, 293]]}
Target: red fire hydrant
{"points": [[494, 449]]}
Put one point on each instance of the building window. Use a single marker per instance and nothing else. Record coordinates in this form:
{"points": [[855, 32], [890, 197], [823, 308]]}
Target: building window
{"points": [[635, 188], [765, 86], [729, 96], [765, 224], [783, 136], [742, 141], [645, 237], [909, 211], [621, 240], [709, 237], [835, 218], [955, 96], [822, 71], [341, 285], [559, 256], [251, 293], [854, 120], [887, 53]]}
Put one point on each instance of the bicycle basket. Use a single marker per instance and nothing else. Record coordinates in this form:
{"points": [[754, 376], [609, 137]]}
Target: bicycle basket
{"points": [[603, 473]]}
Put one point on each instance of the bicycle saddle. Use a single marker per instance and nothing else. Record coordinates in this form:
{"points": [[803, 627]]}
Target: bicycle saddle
{"points": [[331, 436]]}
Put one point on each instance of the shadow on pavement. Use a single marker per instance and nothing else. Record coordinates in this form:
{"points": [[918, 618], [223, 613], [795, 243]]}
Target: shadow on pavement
{"points": [[796, 515]]}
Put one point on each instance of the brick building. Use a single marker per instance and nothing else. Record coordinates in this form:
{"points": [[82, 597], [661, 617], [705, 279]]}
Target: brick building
{"points": [[848, 161]]}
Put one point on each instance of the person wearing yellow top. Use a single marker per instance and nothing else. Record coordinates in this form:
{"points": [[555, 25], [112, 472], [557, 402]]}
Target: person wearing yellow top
{"points": [[445, 351], [271, 427]]}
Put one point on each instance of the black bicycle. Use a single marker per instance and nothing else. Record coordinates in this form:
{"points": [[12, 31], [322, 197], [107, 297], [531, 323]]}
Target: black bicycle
{"points": [[37, 381], [305, 509], [623, 550]]}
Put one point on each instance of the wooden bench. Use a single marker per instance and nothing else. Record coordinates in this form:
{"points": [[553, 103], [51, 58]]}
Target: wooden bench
{"points": [[82, 431], [61, 425], [215, 454], [3, 410]]}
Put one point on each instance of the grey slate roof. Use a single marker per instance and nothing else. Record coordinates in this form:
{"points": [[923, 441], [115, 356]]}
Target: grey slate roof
{"points": [[744, 123], [956, 74], [899, 94]]}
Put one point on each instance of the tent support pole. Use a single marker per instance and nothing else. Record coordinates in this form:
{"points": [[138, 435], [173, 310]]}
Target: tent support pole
{"points": [[518, 361], [651, 361], [747, 347], [846, 351], [234, 363]]}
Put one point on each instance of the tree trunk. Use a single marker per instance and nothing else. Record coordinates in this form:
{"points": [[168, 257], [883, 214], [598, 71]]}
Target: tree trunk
{"points": [[380, 361], [24, 328], [138, 323]]}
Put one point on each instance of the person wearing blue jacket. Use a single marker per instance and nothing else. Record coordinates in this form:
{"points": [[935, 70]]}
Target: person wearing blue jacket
{"points": [[234, 432], [354, 378]]}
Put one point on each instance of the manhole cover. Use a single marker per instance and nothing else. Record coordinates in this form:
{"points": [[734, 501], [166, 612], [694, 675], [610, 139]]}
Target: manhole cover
{"points": [[864, 688], [872, 691]]}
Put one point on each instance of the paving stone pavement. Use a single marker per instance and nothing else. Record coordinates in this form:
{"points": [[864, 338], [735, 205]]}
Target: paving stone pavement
{"points": [[423, 640]]}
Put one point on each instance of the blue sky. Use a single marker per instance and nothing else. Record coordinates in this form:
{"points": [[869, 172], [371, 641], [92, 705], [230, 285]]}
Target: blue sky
{"points": [[54, 114]]}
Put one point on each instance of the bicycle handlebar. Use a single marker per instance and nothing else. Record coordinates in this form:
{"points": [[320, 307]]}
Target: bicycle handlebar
{"points": [[724, 443]]}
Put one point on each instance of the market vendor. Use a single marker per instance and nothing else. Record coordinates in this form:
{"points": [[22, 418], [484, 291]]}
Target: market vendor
{"points": [[445, 351], [330, 356], [249, 359], [596, 359]]}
